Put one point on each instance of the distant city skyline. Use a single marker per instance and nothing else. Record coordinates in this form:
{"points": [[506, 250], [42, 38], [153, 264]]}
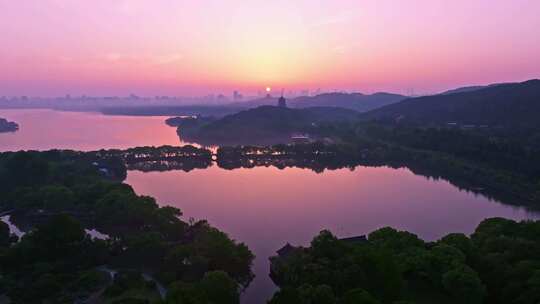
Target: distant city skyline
{"points": [[195, 48], [235, 95]]}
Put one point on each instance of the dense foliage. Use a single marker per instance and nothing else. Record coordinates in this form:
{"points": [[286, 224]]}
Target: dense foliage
{"points": [[498, 263], [189, 121], [502, 163], [262, 125], [506, 105], [492, 148], [59, 194], [52, 262]]}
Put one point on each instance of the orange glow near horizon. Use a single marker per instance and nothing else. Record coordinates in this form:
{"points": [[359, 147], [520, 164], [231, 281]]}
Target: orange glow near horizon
{"points": [[201, 47]]}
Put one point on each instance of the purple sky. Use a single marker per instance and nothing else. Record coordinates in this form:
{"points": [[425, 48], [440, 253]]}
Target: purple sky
{"points": [[102, 47]]}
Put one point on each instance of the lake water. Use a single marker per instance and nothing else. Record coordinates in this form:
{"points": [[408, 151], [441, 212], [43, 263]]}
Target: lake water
{"points": [[267, 207], [47, 129]]}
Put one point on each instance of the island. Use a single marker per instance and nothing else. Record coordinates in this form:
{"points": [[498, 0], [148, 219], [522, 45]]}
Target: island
{"points": [[8, 126], [264, 125]]}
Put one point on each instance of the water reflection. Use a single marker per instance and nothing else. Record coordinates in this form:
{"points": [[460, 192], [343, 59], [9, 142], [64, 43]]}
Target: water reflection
{"points": [[266, 206], [48, 129]]}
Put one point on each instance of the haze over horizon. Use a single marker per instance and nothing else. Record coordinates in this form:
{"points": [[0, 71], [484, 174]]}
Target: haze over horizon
{"points": [[200, 47]]}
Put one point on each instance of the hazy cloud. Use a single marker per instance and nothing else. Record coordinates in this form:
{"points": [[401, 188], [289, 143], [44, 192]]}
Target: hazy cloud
{"points": [[168, 58], [159, 59], [114, 57], [343, 17]]}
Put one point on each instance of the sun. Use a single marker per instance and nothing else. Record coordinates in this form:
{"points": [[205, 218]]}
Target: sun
{"points": [[268, 89]]}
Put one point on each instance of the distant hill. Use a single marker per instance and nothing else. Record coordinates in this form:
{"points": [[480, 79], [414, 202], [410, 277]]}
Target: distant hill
{"points": [[355, 101], [262, 125], [463, 90], [470, 88], [8, 126], [515, 104]]}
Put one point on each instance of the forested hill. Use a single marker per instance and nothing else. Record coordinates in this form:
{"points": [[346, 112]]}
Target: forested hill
{"points": [[516, 104], [471, 88], [355, 101], [266, 124], [463, 90]]}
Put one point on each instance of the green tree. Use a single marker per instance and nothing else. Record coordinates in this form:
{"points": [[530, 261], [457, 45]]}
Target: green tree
{"points": [[320, 294], [358, 296], [57, 198], [286, 295], [215, 288], [219, 288], [394, 240], [461, 242], [464, 285], [326, 245]]}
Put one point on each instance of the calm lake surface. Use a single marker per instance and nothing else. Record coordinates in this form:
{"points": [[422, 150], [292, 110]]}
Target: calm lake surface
{"points": [[47, 129], [267, 207]]}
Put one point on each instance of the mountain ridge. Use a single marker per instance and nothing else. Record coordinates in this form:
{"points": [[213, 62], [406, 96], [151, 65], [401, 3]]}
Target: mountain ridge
{"points": [[512, 104], [262, 125], [354, 101]]}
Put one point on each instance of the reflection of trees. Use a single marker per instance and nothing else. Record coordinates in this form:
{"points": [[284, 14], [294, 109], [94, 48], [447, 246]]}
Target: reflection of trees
{"points": [[164, 158], [317, 157], [314, 164], [475, 182], [466, 177], [494, 183], [142, 154], [491, 182], [184, 165]]}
